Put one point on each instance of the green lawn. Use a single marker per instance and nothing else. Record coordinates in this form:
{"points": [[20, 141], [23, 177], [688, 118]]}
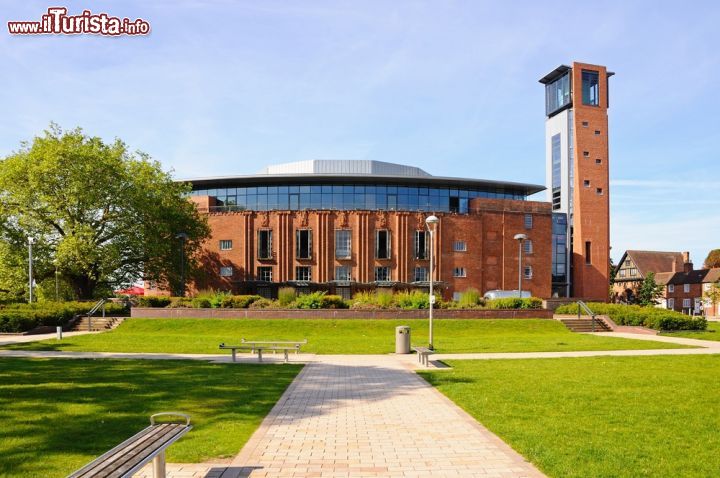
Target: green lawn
{"points": [[57, 415], [712, 333], [340, 336], [598, 416]]}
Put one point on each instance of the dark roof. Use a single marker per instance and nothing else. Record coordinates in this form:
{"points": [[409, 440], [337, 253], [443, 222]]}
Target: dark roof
{"points": [[655, 261], [555, 74], [699, 276]]}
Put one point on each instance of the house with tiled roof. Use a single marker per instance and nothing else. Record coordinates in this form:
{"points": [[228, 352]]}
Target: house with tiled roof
{"points": [[635, 265], [685, 292]]}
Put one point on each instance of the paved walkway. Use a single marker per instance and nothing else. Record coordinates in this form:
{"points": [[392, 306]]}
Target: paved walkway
{"points": [[8, 339]]}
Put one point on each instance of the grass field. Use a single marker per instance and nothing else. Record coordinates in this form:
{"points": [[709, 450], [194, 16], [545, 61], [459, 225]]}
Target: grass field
{"points": [[599, 416], [712, 333], [339, 336], [57, 415]]}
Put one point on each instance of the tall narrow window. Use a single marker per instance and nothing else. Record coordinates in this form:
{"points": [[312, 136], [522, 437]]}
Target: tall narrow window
{"points": [[303, 244], [528, 272], [588, 252], [265, 244], [528, 221], [343, 238], [421, 274], [556, 172], [382, 244], [590, 88], [527, 246], [421, 245]]}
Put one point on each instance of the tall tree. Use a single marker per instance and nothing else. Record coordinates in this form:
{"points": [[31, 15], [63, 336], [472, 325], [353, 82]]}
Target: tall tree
{"points": [[100, 214], [713, 259], [649, 291]]}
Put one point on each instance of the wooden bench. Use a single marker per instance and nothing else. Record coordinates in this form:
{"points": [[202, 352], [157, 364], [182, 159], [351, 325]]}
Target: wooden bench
{"points": [[131, 455], [423, 354], [260, 346]]}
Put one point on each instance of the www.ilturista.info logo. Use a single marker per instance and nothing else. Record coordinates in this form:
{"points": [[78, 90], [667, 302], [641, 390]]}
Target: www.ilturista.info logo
{"points": [[58, 22]]}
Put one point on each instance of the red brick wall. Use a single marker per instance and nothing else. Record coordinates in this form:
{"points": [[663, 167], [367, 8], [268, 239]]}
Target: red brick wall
{"points": [[679, 294], [181, 313], [591, 210], [491, 259]]}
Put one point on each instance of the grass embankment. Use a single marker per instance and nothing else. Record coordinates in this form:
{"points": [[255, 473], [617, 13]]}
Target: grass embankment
{"points": [[58, 415], [599, 416], [339, 336], [712, 332]]}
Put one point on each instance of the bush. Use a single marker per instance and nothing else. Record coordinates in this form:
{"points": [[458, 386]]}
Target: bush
{"points": [[261, 303], [470, 299], [180, 302], [384, 299], [413, 300], [153, 301], [243, 301], [651, 317], [286, 296], [201, 303], [313, 300], [15, 318], [514, 303], [333, 302]]}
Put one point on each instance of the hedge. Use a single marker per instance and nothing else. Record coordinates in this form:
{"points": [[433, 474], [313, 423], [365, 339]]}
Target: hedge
{"points": [[16, 318], [651, 317]]}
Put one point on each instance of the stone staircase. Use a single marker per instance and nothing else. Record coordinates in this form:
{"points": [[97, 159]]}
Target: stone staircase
{"points": [[96, 323], [584, 324]]}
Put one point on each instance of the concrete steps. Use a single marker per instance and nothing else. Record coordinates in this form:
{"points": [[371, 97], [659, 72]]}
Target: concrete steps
{"points": [[96, 323], [585, 325]]}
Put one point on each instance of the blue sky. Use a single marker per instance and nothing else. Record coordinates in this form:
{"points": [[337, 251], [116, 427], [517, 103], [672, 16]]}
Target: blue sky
{"points": [[227, 87]]}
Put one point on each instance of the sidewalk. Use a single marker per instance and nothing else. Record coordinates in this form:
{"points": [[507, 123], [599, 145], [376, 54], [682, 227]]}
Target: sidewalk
{"points": [[18, 339]]}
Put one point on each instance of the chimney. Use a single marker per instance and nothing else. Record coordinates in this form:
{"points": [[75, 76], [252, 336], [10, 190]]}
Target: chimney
{"points": [[687, 265]]}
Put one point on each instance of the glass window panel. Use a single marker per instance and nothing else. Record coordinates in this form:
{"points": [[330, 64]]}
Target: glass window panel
{"points": [[272, 190], [305, 189], [358, 189], [316, 201], [294, 189], [304, 200], [327, 189], [316, 189], [251, 201], [282, 189], [327, 201]]}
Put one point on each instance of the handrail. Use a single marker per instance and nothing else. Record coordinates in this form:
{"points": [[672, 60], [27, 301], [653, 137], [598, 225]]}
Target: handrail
{"points": [[583, 305], [96, 307]]}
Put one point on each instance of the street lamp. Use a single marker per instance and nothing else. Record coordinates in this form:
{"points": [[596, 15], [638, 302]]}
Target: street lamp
{"points": [[431, 222], [31, 241], [183, 237], [520, 238]]}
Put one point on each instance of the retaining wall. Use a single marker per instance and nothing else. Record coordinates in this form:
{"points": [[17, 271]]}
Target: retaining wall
{"points": [[186, 313]]}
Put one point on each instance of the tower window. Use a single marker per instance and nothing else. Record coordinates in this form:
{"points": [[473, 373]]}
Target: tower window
{"points": [[588, 251], [599, 191], [598, 161], [528, 221], [597, 132], [585, 124], [528, 272], [590, 88], [527, 246], [586, 153], [586, 183]]}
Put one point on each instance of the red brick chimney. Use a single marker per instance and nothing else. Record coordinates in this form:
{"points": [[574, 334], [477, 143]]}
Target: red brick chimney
{"points": [[687, 265]]}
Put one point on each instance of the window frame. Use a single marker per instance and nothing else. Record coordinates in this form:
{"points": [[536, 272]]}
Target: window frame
{"points": [[348, 276], [261, 270], [348, 243], [528, 221], [299, 244], [425, 276], [388, 244], [225, 242], [425, 253], [671, 288], [528, 272], [686, 288], [459, 272], [388, 273], [224, 271], [268, 244], [297, 273], [462, 248]]}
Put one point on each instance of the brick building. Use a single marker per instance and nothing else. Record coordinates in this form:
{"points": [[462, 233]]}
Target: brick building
{"points": [[635, 265], [345, 226], [685, 291]]}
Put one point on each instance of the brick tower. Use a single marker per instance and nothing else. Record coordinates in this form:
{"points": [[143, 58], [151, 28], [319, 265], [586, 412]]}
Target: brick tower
{"points": [[577, 172]]}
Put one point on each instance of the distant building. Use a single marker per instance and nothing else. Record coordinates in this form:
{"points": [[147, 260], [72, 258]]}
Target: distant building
{"points": [[685, 292], [635, 265]]}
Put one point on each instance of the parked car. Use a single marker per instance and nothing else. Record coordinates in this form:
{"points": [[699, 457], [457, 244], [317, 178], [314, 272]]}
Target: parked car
{"points": [[504, 294]]}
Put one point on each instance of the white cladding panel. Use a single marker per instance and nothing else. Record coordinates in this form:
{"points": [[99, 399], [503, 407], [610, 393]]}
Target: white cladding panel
{"points": [[345, 166]]}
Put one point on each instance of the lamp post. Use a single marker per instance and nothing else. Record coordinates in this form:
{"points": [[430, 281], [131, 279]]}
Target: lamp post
{"points": [[31, 241], [431, 223], [520, 238], [183, 237]]}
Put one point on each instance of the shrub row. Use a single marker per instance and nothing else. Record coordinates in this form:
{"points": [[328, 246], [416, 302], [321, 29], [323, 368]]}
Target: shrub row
{"points": [[651, 317], [16, 318]]}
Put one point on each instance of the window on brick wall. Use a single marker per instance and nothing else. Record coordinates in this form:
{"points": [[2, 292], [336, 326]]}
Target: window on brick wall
{"points": [[342, 273], [265, 244], [382, 274], [343, 241], [527, 246], [225, 245], [686, 303], [226, 271], [528, 221], [421, 274], [528, 272], [459, 272], [686, 288], [421, 244], [588, 252], [264, 273], [599, 191], [303, 244], [459, 246], [382, 244], [303, 273], [671, 288], [671, 303]]}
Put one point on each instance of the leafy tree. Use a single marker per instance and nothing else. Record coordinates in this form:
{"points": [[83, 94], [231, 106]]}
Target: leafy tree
{"points": [[649, 291], [712, 295], [713, 259], [101, 215]]}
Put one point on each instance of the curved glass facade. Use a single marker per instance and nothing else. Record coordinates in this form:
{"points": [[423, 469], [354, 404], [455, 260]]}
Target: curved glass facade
{"points": [[351, 197]]}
